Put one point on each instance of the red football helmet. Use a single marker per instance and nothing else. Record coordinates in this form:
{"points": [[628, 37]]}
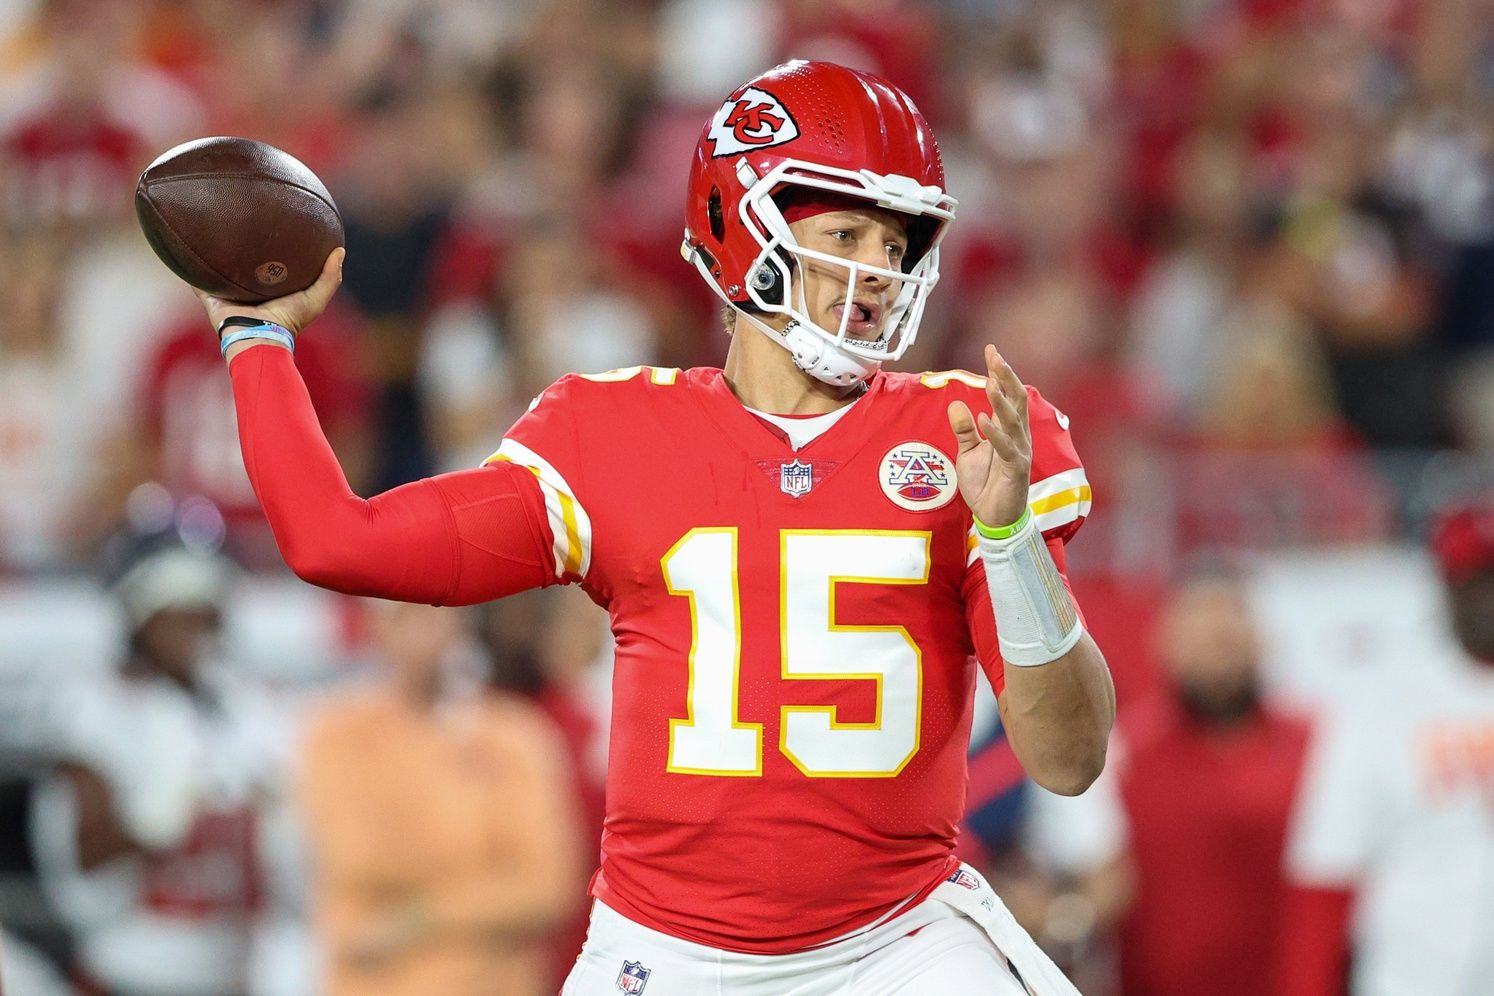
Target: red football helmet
{"points": [[838, 131]]}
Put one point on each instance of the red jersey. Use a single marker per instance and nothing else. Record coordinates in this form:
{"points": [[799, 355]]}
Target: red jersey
{"points": [[796, 638]]}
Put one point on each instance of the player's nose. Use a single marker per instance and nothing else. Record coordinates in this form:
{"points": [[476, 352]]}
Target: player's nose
{"points": [[879, 257]]}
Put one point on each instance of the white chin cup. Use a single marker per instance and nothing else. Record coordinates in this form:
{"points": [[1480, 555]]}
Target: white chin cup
{"points": [[824, 360]]}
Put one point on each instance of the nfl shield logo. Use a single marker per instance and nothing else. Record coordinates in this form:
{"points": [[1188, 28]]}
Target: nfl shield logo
{"points": [[632, 978], [965, 880], [796, 479]]}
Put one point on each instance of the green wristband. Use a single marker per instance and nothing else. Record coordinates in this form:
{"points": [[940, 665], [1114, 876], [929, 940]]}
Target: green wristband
{"points": [[1002, 532]]}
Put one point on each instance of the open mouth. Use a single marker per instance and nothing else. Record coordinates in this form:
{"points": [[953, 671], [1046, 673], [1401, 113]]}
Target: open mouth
{"points": [[865, 320]]}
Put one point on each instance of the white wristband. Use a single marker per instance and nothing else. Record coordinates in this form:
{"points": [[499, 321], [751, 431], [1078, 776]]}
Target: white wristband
{"points": [[1035, 619]]}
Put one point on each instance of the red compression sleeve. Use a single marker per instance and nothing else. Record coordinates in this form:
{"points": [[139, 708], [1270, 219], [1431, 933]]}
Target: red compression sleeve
{"points": [[451, 540], [1312, 958]]}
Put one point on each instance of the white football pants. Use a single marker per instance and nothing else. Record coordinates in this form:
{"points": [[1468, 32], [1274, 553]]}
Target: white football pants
{"points": [[937, 948]]}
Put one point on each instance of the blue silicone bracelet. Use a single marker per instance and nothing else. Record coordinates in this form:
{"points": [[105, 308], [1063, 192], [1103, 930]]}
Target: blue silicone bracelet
{"points": [[269, 331]]}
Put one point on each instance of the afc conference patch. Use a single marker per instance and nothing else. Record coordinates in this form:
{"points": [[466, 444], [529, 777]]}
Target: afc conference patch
{"points": [[632, 978], [917, 477]]}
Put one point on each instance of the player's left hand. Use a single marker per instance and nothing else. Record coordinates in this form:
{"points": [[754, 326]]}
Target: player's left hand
{"points": [[994, 471]]}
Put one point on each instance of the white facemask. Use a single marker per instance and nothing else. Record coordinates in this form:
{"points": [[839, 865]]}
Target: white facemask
{"points": [[830, 355]]}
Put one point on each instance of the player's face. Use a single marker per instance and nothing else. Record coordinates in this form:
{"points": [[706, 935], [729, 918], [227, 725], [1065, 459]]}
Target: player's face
{"points": [[416, 639], [1210, 647], [175, 640], [868, 235]]}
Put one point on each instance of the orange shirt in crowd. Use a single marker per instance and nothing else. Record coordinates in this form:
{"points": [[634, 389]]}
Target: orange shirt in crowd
{"points": [[444, 846]]}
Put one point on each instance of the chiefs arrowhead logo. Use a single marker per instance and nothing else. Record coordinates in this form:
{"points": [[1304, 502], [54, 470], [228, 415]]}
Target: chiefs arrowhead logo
{"points": [[754, 119]]}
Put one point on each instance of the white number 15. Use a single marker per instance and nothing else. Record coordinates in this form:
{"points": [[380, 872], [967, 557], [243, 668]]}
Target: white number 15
{"points": [[813, 563]]}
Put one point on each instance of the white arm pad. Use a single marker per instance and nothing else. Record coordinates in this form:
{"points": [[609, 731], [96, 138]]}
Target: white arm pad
{"points": [[1035, 620]]}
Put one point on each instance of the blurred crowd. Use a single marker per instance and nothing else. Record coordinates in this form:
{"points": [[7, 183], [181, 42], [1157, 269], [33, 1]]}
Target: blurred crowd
{"points": [[1246, 245]]}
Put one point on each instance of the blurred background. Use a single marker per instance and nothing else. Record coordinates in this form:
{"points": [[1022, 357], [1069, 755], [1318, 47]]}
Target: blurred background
{"points": [[1246, 245]]}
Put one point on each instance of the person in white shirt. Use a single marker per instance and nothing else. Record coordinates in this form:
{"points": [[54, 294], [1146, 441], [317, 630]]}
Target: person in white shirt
{"points": [[151, 835], [1392, 851]]}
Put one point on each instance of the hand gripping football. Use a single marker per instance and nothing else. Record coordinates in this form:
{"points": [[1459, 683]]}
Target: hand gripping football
{"points": [[237, 218]]}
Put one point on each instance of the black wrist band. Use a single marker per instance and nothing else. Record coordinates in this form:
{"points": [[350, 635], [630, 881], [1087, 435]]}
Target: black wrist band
{"points": [[237, 321]]}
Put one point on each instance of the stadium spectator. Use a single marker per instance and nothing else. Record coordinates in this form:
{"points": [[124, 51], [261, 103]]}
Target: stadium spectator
{"points": [[82, 112], [399, 196], [569, 309], [441, 822], [1270, 461], [552, 647], [1206, 778], [149, 835], [1051, 260], [1183, 307], [37, 449], [1392, 848], [1362, 276]]}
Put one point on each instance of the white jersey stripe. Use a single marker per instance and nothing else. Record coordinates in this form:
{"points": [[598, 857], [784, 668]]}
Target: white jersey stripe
{"points": [[1075, 508], [1049, 486], [569, 523], [1055, 502], [1060, 499]]}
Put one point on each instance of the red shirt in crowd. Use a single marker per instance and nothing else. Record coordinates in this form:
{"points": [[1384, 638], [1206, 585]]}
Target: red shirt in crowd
{"points": [[1208, 809]]}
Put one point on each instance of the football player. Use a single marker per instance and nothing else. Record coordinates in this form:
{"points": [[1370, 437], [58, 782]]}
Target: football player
{"points": [[803, 557], [159, 835]]}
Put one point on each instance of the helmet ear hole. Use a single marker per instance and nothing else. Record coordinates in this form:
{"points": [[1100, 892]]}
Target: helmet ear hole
{"points": [[714, 213], [768, 282]]}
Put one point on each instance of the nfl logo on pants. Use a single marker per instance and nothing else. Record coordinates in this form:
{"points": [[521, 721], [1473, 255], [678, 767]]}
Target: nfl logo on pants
{"points": [[632, 978]]}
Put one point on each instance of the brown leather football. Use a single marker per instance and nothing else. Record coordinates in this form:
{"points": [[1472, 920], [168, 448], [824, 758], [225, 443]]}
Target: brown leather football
{"points": [[237, 218]]}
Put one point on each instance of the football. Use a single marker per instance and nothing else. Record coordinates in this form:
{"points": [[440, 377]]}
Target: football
{"points": [[237, 218]]}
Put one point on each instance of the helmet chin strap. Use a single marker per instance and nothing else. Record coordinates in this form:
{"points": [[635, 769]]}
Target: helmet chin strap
{"points": [[812, 354], [816, 354], [822, 361]]}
